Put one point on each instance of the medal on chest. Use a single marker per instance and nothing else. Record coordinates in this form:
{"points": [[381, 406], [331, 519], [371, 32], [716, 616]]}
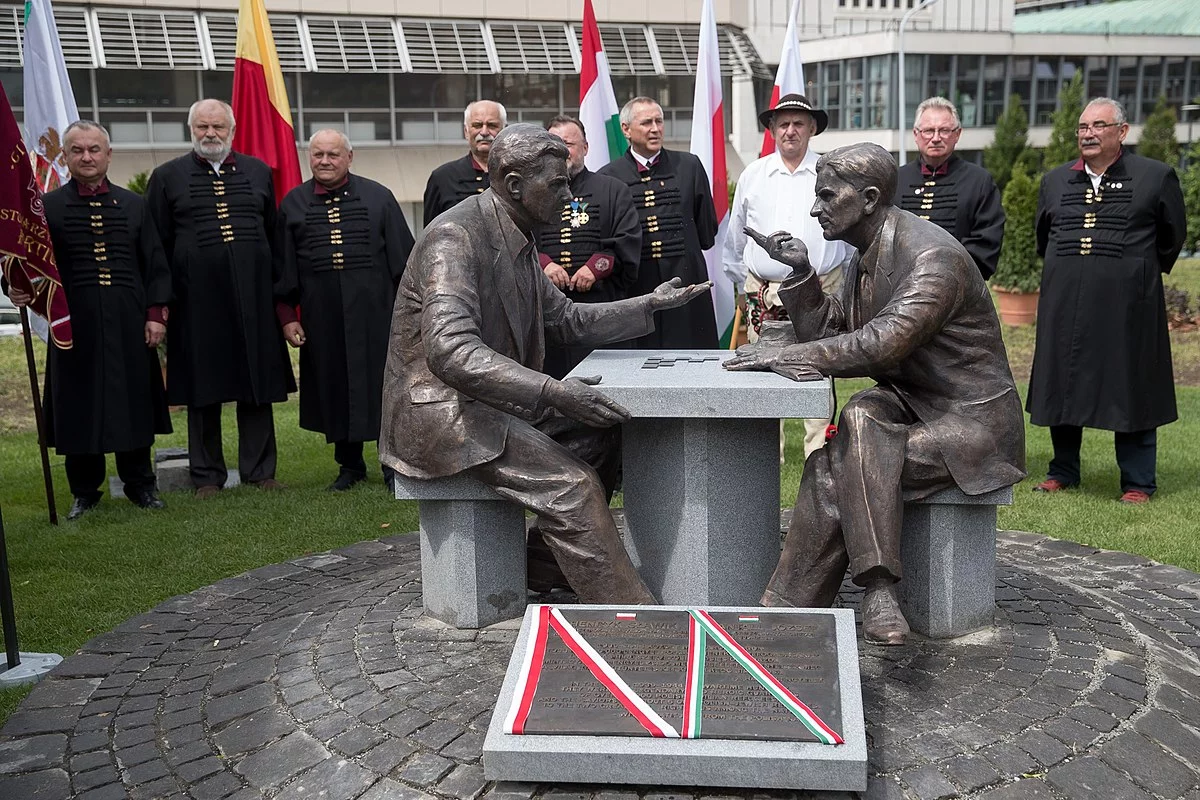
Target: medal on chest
{"points": [[579, 215]]}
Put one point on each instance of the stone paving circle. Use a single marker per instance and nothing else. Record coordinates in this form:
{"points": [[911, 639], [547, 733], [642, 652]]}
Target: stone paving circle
{"points": [[319, 678]]}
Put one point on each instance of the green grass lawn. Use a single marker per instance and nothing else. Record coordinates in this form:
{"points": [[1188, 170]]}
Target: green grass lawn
{"points": [[77, 580]]}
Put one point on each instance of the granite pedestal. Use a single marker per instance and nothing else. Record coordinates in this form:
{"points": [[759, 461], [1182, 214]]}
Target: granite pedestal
{"points": [[948, 550], [701, 468], [741, 763], [472, 550]]}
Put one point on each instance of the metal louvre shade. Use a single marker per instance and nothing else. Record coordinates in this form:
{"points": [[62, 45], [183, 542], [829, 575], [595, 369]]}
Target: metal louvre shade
{"points": [[148, 38]]}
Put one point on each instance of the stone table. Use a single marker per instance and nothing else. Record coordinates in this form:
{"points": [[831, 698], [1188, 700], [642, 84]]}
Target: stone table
{"points": [[701, 468]]}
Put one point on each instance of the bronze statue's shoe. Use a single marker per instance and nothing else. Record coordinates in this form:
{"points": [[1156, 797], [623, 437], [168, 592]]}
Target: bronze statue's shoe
{"points": [[883, 623]]}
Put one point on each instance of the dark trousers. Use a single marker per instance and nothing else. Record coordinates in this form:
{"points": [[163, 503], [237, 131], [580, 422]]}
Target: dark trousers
{"points": [[1137, 457], [256, 444], [349, 456], [86, 471], [546, 470], [850, 505]]}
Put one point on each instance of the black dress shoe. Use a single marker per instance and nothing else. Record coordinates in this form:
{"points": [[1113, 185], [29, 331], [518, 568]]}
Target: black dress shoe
{"points": [[345, 480], [81, 506], [145, 498]]}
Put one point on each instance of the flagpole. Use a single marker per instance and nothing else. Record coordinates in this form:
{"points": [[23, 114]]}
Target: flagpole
{"points": [[37, 414]]}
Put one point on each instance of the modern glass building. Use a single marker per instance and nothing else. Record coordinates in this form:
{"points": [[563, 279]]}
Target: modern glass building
{"points": [[396, 74]]}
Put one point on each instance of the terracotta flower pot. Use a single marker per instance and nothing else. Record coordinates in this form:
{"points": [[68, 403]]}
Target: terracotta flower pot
{"points": [[1016, 308]]}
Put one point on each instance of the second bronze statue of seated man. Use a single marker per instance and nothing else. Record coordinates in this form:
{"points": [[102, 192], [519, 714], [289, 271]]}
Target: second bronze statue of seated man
{"points": [[914, 315]]}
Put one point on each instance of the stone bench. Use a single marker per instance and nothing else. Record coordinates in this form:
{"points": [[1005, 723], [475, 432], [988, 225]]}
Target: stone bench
{"points": [[472, 550], [948, 549]]}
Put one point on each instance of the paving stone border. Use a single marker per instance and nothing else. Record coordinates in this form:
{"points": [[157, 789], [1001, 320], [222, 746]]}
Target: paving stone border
{"points": [[320, 678]]}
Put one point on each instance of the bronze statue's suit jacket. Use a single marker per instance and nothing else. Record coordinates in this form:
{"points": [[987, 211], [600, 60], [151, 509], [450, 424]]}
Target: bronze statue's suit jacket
{"points": [[929, 332], [468, 338]]}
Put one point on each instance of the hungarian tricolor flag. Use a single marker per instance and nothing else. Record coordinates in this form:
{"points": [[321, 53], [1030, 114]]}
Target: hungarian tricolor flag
{"points": [[26, 252], [708, 144], [260, 102], [789, 78], [598, 109]]}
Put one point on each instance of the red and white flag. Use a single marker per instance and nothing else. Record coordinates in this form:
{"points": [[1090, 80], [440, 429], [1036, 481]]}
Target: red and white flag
{"points": [[789, 78], [708, 144], [598, 108]]}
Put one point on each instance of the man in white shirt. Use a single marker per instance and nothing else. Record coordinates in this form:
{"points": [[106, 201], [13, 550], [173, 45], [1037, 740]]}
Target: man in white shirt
{"points": [[776, 193]]}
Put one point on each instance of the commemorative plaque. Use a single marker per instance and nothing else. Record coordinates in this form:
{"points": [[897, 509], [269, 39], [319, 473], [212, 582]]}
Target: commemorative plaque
{"points": [[749, 697]]}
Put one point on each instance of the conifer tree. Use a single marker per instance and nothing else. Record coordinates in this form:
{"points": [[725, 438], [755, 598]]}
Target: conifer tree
{"points": [[1012, 133]]}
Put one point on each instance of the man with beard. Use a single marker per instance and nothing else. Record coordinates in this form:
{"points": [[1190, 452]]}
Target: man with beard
{"points": [[591, 253], [464, 387], [345, 242], [105, 394], [215, 210], [671, 194], [457, 180], [955, 195], [917, 318], [1109, 225]]}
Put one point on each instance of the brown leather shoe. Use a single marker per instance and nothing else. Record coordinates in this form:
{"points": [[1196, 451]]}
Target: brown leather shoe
{"points": [[883, 623], [269, 485], [206, 492], [1135, 497]]}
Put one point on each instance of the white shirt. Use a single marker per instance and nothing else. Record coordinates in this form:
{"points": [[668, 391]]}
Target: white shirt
{"points": [[216, 165], [645, 162], [770, 198], [1095, 176]]}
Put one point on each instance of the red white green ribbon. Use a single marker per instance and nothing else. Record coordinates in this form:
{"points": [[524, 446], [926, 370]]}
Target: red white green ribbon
{"points": [[531, 670], [547, 619], [693, 688], [823, 732]]}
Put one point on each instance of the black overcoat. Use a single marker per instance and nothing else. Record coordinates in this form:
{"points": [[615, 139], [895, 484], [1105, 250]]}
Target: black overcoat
{"points": [[343, 254], [223, 340], [599, 227], [963, 200], [1102, 358], [451, 183], [679, 223], [105, 394]]}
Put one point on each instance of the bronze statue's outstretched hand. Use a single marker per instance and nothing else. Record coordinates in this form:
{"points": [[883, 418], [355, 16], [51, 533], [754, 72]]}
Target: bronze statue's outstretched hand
{"points": [[784, 248], [575, 398], [673, 293], [758, 356]]}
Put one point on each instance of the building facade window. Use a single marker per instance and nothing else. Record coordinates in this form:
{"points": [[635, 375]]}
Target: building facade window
{"points": [[995, 88], [967, 89]]}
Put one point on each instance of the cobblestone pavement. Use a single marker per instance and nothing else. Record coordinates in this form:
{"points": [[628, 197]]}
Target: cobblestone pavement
{"points": [[319, 678]]}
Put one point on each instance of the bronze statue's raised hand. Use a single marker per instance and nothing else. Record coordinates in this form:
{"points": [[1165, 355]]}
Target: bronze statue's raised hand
{"points": [[784, 248], [575, 398], [673, 293]]}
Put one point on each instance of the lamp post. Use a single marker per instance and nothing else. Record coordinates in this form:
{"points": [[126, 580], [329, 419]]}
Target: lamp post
{"points": [[901, 112], [1190, 109]]}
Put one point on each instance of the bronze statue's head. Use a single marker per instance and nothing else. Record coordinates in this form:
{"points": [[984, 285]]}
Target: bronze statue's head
{"points": [[853, 183], [528, 171]]}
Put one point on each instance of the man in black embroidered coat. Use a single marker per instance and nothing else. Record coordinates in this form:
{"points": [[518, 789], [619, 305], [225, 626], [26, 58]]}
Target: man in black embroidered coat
{"points": [[456, 180], [345, 242], [215, 211], [670, 192], [592, 253], [105, 394], [955, 195], [1109, 226]]}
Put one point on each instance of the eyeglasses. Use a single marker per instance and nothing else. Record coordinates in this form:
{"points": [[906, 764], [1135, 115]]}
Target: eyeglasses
{"points": [[927, 133], [1098, 127]]}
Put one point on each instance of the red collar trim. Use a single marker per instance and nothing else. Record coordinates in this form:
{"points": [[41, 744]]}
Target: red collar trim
{"points": [[320, 189], [229, 159], [91, 191], [933, 172]]}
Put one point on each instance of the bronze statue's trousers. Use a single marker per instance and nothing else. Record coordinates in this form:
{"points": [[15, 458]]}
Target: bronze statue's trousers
{"points": [[851, 501], [571, 504]]}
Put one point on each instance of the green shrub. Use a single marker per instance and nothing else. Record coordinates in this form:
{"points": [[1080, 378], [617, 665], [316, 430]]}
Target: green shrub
{"points": [[1019, 269]]}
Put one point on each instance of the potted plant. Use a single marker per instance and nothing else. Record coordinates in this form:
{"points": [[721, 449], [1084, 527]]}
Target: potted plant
{"points": [[1018, 275]]}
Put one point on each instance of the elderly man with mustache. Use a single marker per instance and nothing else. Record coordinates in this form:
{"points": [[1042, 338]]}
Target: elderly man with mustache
{"points": [[1109, 225], [215, 211], [456, 180]]}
